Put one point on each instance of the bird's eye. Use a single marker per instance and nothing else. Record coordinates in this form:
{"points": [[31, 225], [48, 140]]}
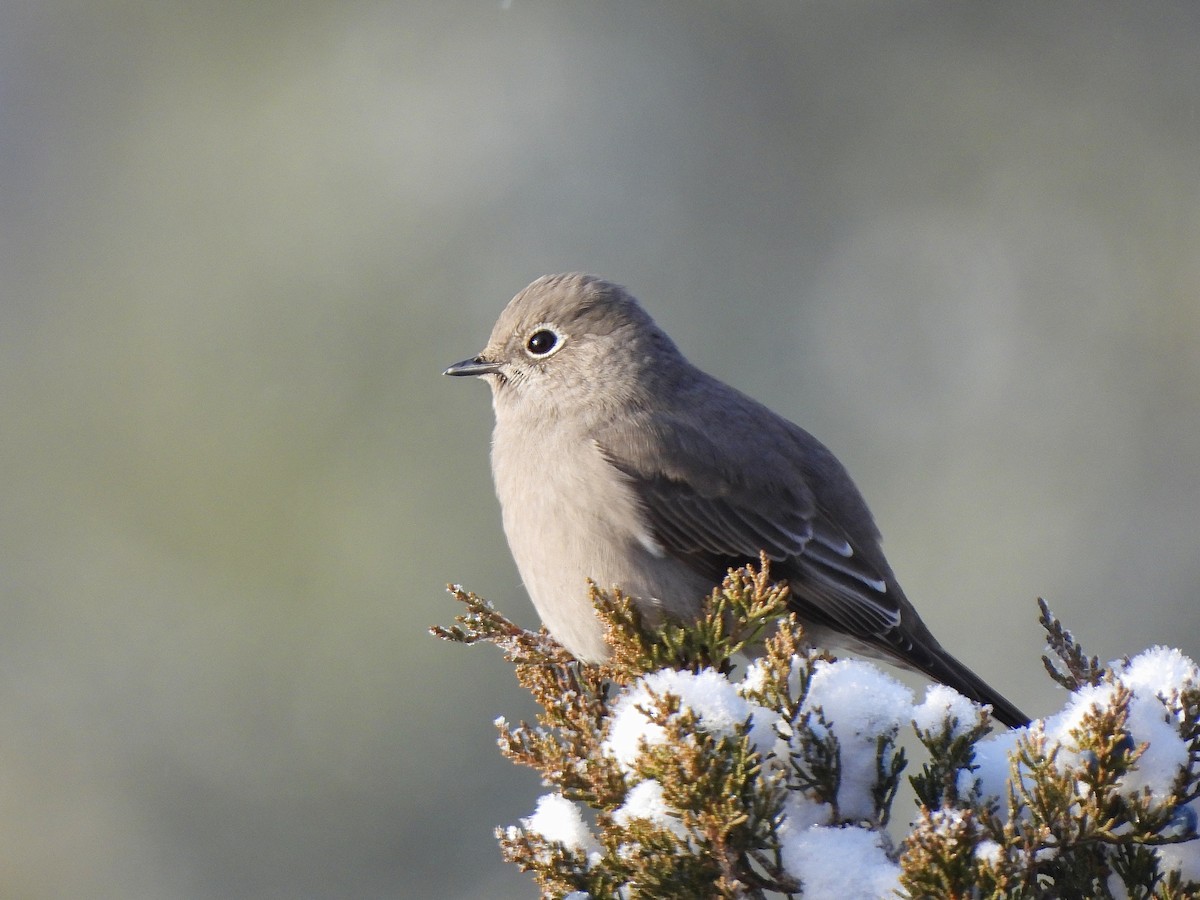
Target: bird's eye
{"points": [[542, 342]]}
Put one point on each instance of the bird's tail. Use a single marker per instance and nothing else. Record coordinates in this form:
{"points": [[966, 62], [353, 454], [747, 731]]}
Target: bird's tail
{"points": [[949, 671]]}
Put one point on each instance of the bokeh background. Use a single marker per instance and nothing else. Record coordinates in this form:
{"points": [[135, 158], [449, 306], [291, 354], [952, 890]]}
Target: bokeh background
{"points": [[239, 242]]}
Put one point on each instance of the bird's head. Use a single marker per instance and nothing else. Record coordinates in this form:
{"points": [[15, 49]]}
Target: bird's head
{"points": [[572, 344]]}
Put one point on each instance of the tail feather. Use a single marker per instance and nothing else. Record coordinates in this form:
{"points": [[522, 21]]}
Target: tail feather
{"points": [[949, 671]]}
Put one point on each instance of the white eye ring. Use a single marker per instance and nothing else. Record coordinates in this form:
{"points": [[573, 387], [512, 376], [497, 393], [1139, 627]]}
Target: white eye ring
{"points": [[544, 340]]}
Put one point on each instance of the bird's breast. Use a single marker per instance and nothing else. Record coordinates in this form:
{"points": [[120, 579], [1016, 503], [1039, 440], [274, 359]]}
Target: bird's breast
{"points": [[569, 516]]}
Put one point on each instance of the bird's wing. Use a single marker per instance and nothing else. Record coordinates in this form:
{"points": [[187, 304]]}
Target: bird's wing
{"points": [[717, 524], [706, 503]]}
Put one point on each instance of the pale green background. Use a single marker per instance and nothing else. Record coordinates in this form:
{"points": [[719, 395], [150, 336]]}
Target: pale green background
{"points": [[240, 241]]}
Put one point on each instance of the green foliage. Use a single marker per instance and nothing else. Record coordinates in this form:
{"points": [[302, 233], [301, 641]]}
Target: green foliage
{"points": [[736, 617], [1074, 820], [723, 840], [1071, 825], [951, 753]]}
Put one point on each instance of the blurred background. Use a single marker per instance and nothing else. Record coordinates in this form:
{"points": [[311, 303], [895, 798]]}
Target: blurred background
{"points": [[240, 242]]}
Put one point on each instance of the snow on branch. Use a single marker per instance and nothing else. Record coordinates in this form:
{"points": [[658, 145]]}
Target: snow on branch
{"points": [[672, 776]]}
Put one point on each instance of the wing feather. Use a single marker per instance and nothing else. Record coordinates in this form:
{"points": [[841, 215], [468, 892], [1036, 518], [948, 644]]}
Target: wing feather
{"points": [[715, 511]]}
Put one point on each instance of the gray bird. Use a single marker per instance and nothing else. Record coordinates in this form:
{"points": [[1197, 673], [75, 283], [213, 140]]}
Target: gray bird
{"points": [[616, 459]]}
